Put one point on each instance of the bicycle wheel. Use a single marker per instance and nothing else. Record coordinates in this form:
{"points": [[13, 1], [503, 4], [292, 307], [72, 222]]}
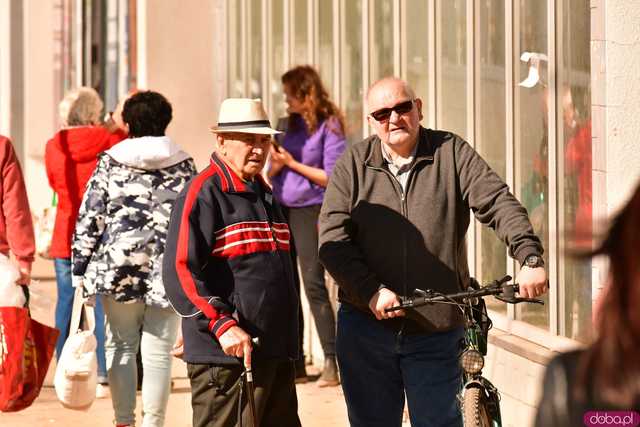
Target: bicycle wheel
{"points": [[474, 410]]}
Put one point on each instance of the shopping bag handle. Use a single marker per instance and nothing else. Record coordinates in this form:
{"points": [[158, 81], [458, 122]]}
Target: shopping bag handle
{"points": [[76, 313], [25, 290]]}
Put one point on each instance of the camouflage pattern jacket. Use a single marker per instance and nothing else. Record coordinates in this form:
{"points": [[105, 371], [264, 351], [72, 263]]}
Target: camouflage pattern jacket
{"points": [[120, 234]]}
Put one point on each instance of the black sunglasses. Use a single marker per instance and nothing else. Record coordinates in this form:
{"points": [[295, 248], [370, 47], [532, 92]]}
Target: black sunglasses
{"points": [[383, 114]]}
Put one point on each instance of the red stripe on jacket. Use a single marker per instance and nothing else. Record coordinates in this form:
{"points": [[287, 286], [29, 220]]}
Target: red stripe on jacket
{"points": [[251, 236], [224, 183], [182, 253]]}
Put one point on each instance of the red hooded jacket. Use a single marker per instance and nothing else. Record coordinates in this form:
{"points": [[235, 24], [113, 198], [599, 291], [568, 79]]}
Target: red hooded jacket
{"points": [[16, 227], [70, 158]]}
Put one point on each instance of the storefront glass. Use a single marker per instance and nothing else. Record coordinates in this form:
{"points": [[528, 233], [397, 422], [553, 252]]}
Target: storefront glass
{"points": [[532, 132], [491, 262]]}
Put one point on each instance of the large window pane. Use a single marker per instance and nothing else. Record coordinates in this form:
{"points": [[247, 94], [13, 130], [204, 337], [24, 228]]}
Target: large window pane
{"points": [[416, 45], [380, 39], [300, 32], [234, 47], [574, 131], [531, 133], [452, 70], [277, 60], [325, 43], [491, 261], [255, 46], [351, 69]]}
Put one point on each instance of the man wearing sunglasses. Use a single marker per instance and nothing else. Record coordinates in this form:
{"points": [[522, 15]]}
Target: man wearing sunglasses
{"points": [[394, 219]]}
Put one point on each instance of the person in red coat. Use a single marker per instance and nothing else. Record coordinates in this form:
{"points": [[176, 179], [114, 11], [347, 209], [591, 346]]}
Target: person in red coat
{"points": [[16, 227], [70, 158]]}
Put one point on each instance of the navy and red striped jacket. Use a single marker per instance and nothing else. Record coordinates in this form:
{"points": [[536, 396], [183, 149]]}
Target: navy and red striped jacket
{"points": [[227, 262]]}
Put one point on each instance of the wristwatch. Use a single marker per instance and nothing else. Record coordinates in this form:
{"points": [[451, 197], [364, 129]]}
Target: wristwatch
{"points": [[533, 261]]}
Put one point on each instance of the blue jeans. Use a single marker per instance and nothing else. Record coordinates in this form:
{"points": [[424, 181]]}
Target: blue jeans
{"points": [[378, 366], [64, 305], [159, 328]]}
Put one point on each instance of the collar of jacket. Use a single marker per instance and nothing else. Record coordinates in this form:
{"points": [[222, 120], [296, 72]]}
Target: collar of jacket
{"points": [[230, 182], [423, 153]]}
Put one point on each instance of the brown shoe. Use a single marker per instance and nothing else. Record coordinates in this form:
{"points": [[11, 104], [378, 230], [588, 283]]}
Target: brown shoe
{"points": [[329, 376]]}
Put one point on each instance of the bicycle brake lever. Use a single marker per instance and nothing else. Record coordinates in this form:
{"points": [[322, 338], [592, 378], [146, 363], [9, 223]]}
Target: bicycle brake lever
{"points": [[420, 293], [517, 300]]}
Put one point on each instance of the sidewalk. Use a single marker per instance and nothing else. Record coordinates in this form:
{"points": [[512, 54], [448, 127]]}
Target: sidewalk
{"points": [[318, 407]]}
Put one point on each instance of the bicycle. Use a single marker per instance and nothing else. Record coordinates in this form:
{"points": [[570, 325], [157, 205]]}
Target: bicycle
{"points": [[479, 398]]}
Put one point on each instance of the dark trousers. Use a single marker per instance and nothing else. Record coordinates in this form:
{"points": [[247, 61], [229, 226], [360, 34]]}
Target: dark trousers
{"points": [[378, 366], [303, 223], [215, 395]]}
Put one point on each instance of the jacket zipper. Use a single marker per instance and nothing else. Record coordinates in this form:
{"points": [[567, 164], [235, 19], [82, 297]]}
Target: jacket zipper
{"points": [[405, 214], [277, 252], [404, 211]]}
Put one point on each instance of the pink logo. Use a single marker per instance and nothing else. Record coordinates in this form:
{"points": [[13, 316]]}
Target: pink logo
{"points": [[611, 419]]}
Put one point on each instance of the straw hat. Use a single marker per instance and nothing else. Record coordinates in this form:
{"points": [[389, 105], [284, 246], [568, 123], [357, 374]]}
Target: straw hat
{"points": [[243, 115]]}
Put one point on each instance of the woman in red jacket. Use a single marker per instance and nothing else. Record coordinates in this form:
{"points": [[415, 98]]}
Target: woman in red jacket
{"points": [[70, 157], [16, 227]]}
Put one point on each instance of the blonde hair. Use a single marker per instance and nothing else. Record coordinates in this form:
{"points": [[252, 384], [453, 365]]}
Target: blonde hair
{"points": [[80, 107]]}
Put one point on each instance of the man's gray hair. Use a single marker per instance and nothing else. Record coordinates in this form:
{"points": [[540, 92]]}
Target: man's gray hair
{"points": [[80, 107]]}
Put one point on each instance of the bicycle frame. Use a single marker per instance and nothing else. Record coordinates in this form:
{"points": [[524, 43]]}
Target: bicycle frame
{"points": [[486, 403], [476, 340]]}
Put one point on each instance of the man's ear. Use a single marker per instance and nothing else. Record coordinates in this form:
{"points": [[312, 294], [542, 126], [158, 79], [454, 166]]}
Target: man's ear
{"points": [[419, 107]]}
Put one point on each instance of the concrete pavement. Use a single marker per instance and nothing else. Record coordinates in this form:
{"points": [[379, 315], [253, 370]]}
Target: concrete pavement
{"points": [[318, 407]]}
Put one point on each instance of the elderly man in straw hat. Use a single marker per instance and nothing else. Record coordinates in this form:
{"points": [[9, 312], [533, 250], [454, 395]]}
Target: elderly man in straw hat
{"points": [[228, 273]]}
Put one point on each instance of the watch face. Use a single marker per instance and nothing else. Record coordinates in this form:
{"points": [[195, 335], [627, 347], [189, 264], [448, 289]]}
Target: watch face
{"points": [[532, 261]]}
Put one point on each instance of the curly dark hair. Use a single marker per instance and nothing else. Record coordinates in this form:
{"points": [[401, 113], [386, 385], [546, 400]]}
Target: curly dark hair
{"points": [[306, 85], [147, 113]]}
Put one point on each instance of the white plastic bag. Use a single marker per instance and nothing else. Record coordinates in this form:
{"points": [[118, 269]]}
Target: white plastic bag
{"points": [[43, 228], [10, 294], [76, 374]]}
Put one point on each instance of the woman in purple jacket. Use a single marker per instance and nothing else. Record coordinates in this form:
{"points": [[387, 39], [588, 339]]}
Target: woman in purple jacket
{"points": [[300, 169]]}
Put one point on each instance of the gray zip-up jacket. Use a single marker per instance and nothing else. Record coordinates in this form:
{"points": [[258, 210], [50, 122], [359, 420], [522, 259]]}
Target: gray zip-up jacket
{"points": [[373, 234]]}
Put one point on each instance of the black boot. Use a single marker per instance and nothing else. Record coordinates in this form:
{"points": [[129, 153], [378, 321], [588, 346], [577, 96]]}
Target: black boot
{"points": [[301, 372], [329, 376]]}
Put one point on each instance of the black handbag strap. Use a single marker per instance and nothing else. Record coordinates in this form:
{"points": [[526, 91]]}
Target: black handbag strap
{"points": [[27, 296]]}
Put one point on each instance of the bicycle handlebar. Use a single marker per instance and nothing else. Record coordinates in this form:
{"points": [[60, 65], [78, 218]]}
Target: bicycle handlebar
{"points": [[499, 288]]}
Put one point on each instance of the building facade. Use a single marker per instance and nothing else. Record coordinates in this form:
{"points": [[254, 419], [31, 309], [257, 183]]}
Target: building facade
{"points": [[544, 90]]}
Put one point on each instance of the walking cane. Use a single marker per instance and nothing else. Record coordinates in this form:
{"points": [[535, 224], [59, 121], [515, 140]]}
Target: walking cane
{"points": [[248, 374]]}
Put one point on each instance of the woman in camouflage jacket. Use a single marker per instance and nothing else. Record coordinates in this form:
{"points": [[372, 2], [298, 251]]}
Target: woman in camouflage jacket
{"points": [[118, 246]]}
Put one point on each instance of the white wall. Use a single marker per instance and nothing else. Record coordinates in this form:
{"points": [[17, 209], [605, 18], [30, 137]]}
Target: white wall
{"points": [[39, 107], [39, 102], [180, 57], [621, 54]]}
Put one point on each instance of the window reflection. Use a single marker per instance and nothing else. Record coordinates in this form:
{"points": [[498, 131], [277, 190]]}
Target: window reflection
{"points": [[351, 69], [300, 32], [276, 55], [531, 133], [416, 34], [325, 42], [452, 70], [574, 139], [491, 262], [256, 55], [381, 39]]}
